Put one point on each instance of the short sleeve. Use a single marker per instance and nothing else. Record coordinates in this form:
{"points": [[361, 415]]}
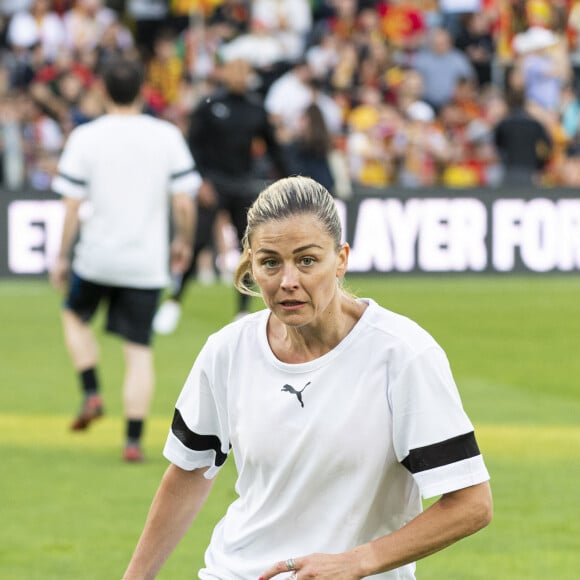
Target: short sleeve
{"points": [[199, 433], [184, 175], [432, 435], [71, 179]]}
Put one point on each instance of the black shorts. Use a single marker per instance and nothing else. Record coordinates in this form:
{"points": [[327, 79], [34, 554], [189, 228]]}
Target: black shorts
{"points": [[130, 311], [204, 232], [237, 208]]}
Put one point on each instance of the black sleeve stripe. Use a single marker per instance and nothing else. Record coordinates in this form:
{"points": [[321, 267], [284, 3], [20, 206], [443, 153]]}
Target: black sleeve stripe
{"points": [[197, 442], [182, 173], [72, 179], [442, 453]]}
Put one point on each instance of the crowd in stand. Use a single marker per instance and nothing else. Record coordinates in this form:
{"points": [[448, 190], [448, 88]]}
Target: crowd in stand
{"points": [[381, 93]]}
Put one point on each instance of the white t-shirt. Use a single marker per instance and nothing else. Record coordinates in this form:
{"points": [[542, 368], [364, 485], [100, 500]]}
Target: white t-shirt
{"points": [[288, 97], [295, 15], [321, 447], [25, 30], [126, 166], [11, 7]]}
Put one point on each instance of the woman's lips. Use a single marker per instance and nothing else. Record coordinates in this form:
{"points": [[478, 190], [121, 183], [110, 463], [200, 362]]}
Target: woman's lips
{"points": [[291, 304]]}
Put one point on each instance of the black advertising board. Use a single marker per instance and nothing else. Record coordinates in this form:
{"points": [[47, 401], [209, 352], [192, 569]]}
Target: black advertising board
{"points": [[389, 231]]}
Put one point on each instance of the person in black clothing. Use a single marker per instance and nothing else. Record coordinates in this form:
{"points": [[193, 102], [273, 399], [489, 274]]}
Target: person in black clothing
{"points": [[523, 143], [222, 132], [476, 41]]}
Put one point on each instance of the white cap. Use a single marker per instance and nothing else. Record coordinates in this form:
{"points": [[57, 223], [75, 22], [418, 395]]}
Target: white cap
{"points": [[534, 38], [420, 111], [23, 31]]}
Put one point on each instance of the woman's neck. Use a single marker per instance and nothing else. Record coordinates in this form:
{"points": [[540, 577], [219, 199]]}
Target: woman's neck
{"points": [[305, 343]]}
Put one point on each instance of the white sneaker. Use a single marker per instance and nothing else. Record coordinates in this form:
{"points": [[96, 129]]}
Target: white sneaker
{"points": [[227, 277], [167, 317], [206, 277]]}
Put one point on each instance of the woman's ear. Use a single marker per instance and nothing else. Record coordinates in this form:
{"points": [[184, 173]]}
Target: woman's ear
{"points": [[249, 258], [342, 263]]}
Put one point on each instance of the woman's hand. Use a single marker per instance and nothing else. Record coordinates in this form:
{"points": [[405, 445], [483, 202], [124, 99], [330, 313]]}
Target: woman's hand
{"points": [[316, 566], [181, 253], [59, 274]]}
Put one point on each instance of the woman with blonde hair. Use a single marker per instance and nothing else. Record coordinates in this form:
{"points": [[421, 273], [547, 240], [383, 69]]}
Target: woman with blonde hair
{"points": [[339, 414]]}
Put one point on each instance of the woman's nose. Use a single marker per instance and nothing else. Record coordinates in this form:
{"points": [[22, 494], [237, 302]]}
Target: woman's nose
{"points": [[289, 277]]}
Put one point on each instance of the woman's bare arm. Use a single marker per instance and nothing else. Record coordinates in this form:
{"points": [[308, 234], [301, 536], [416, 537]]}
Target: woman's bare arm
{"points": [[454, 516], [177, 502]]}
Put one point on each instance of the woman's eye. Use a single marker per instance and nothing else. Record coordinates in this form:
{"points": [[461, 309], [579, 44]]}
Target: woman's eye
{"points": [[307, 261], [270, 263]]}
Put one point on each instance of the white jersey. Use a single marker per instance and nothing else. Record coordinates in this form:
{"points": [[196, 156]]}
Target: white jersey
{"points": [[331, 453], [126, 166]]}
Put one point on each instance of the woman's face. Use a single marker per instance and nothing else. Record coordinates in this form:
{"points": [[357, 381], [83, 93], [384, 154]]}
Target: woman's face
{"points": [[296, 266], [40, 6]]}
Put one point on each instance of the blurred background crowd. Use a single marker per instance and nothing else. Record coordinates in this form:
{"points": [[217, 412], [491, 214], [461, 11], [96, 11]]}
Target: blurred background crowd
{"points": [[376, 93]]}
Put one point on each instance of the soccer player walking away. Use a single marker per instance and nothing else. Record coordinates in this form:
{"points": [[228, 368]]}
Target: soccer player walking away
{"points": [[329, 482], [131, 172]]}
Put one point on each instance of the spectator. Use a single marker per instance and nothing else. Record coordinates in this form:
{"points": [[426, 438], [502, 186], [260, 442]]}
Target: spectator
{"points": [[3, 27], [231, 17], [113, 44], [341, 18], [425, 148], [374, 129], [441, 66], [523, 143], [43, 141], [40, 25], [86, 23], [122, 254], [289, 21], [293, 92], [343, 76], [374, 64], [182, 13], [12, 162], [260, 49], [545, 67], [309, 147], [476, 41], [573, 27], [466, 97], [473, 161], [19, 63], [149, 17], [322, 57], [277, 35], [405, 27], [166, 74], [570, 112], [58, 86], [197, 47], [10, 7], [409, 89], [403, 24], [494, 105], [568, 174]]}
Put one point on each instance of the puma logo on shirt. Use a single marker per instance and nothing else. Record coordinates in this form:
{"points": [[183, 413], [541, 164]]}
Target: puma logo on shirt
{"points": [[291, 389]]}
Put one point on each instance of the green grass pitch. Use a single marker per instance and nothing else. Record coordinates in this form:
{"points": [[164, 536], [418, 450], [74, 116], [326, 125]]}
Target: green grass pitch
{"points": [[70, 508]]}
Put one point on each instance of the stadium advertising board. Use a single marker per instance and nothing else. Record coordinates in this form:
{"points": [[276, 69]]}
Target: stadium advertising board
{"points": [[391, 231]]}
